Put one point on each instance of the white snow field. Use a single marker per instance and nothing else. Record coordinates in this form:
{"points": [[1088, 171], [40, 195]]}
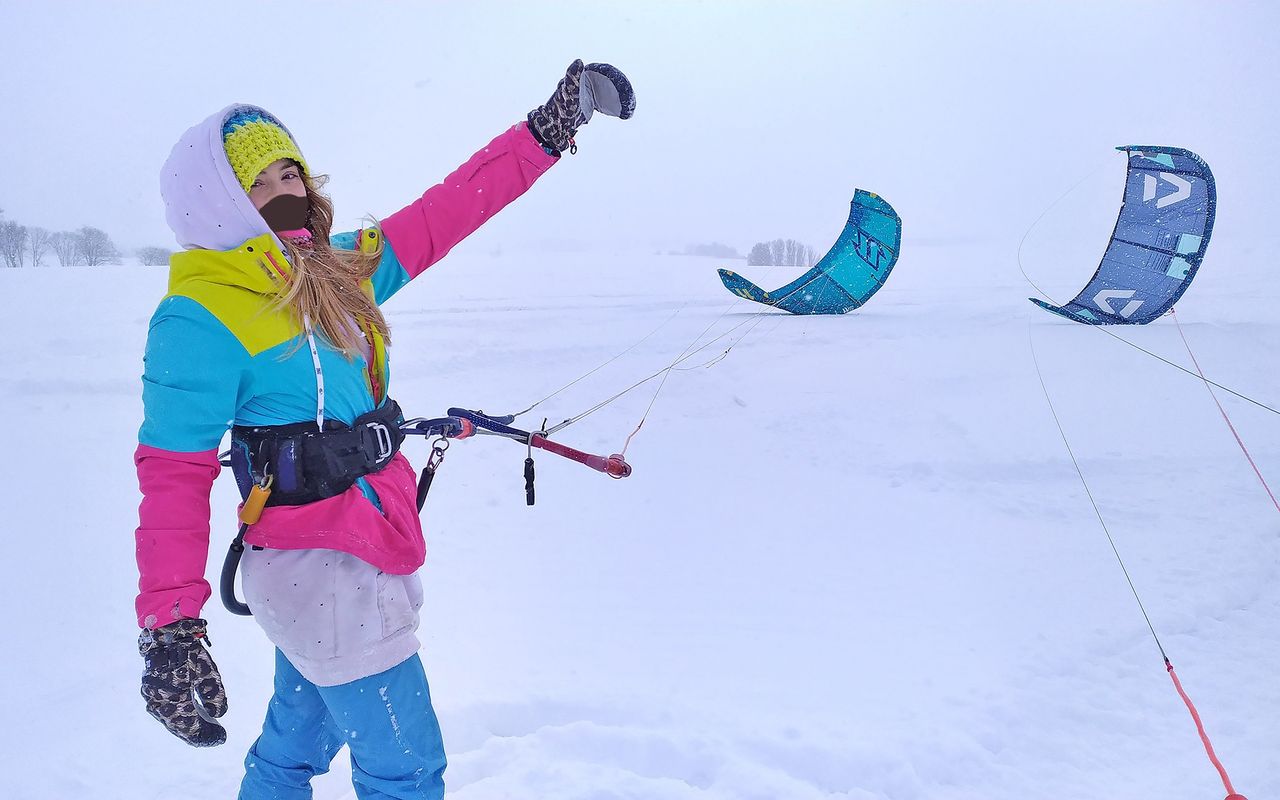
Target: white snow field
{"points": [[853, 560]]}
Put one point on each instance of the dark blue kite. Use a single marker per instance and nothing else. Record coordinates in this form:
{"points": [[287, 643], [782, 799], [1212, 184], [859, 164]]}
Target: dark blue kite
{"points": [[847, 276], [1158, 243]]}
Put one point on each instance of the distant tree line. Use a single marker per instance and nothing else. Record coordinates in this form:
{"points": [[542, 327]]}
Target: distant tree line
{"points": [[706, 250], [21, 245], [712, 250], [782, 253]]}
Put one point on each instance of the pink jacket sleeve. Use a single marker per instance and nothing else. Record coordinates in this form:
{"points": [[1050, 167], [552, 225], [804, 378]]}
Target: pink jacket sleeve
{"points": [[424, 231], [173, 534]]}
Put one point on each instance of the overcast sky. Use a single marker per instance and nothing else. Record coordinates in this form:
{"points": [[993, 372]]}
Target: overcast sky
{"points": [[754, 120]]}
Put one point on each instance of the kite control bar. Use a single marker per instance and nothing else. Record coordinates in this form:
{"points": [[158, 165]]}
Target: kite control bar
{"points": [[462, 423], [615, 466]]}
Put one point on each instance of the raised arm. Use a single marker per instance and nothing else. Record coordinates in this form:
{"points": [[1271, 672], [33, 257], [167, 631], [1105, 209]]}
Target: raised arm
{"points": [[424, 231]]}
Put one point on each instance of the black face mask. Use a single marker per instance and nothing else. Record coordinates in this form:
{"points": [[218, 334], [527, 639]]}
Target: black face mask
{"points": [[286, 212]]}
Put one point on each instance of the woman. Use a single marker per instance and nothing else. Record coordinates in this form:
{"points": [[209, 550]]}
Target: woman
{"points": [[272, 326]]}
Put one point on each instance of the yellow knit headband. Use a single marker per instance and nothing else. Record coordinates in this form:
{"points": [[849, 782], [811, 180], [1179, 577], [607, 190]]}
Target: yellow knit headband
{"points": [[253, 141]]}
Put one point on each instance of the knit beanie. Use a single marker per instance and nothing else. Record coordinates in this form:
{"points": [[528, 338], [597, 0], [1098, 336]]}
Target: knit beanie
{"points": [[254, 140]]}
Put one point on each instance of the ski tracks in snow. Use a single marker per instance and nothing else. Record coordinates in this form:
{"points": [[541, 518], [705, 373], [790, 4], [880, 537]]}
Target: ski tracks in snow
{"points": [[554, 750]]}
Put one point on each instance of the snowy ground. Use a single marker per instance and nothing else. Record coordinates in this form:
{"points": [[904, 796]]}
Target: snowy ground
{"points": [[853, 560]]}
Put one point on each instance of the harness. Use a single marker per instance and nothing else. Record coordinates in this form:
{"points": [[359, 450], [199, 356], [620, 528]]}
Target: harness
{"points": [[292, 465], [304, 463]]}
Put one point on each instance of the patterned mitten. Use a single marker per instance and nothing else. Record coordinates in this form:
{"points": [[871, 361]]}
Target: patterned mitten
{"points": [[181, 683], [582, 91]]}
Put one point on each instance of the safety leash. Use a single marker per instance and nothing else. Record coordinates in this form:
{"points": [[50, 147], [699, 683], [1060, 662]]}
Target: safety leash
{"points": [[439, 430]]}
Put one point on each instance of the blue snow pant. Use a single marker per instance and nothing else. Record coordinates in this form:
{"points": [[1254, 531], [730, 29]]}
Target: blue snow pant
{"points": [[386, 719]]}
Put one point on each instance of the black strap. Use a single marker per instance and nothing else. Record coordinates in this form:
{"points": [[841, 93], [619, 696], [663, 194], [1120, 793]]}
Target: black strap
{"points": [[424, 485], [308, 464]]}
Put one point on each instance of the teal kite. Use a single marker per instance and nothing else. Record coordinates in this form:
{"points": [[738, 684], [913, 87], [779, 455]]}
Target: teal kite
{"points": [[847, 276]]}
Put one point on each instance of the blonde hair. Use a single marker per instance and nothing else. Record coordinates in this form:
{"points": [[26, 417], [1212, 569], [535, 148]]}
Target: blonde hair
{"points": [[325, 284]]}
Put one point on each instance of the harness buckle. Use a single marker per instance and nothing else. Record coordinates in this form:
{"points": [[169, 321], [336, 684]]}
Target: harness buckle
{"points": [[385, 444]]}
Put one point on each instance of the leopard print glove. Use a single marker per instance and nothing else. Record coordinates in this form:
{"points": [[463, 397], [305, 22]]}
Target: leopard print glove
{"points": [[181, 684], [581, 92]]}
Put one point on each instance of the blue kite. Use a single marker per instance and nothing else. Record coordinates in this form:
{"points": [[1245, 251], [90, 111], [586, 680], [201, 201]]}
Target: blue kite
{"points": [[855, 268], [1158, 243]]}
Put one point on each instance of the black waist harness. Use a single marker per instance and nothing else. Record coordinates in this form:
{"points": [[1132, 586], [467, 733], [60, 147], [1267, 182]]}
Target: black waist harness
{"points": [[306, 464]]}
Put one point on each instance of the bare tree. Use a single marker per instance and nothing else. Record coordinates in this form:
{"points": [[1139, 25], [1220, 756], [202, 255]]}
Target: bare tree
{"points": [[781, 253], [759, 255], [154, 256], [712, 249], [13, 243], [95, 247], [777, 252], [64, 246], [37, 244]]}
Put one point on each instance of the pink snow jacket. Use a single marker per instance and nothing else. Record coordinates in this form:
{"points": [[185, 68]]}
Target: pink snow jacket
{"points": [[219, 355]]}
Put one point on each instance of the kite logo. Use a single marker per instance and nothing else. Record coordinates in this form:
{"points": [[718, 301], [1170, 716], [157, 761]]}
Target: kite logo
{"points": [[1149, 183], [1103, 301], [870, 250]]}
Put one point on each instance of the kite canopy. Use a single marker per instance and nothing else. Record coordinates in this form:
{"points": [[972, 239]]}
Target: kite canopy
{"points": [[1158, 243], [846, 277]]}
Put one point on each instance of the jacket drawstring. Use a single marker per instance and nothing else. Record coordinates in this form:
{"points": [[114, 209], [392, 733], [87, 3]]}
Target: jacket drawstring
{"points": [[315, 360]]}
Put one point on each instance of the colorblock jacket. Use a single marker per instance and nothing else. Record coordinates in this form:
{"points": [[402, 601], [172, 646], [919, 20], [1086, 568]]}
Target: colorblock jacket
{"points": [[218, 354]]}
